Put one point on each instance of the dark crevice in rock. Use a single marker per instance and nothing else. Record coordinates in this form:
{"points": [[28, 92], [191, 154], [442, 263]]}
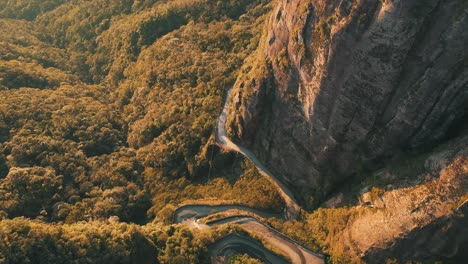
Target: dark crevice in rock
{"points": [[307, 33]]}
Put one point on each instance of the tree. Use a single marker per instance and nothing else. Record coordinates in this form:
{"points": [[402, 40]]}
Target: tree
{"points": [[30, 191]]}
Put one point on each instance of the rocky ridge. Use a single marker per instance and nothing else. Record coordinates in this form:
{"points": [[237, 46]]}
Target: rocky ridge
{"points": [[338, 85], [422, 221]]}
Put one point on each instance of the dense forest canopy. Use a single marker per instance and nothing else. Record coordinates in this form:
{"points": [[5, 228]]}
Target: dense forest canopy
{"points": [[109, 98], [107, 109]]}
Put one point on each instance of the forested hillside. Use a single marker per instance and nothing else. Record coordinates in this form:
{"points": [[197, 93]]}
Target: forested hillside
{"points": [[111, 150], [106, 112]]}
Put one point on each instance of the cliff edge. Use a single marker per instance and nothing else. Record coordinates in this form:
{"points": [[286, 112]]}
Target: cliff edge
{"points": [[340, 85]]}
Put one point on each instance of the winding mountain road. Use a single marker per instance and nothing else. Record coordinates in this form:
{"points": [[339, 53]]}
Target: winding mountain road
{"points": [[296, 252], [198, 211], [234, 244], [292, 207]]}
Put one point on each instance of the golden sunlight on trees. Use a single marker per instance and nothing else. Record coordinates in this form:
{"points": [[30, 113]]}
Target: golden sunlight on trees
{"points": [[107, 109]]}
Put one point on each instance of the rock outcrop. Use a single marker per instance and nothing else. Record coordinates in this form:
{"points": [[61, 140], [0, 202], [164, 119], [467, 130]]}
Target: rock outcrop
{"points": [[337, 85], [426, 220], [440, 239]]}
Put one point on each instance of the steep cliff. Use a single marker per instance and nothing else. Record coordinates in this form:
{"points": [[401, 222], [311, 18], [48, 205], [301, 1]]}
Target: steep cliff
{"points": [[338, 85], [425, 220]]}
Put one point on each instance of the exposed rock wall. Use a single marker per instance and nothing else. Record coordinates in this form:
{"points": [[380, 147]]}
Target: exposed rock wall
{"points": [[424, 221], [441, 239], [338, 84]]}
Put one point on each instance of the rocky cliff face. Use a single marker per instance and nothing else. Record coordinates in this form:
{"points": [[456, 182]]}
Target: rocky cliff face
{"points": [[340, 84], [440, 238], [424, 220]]}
